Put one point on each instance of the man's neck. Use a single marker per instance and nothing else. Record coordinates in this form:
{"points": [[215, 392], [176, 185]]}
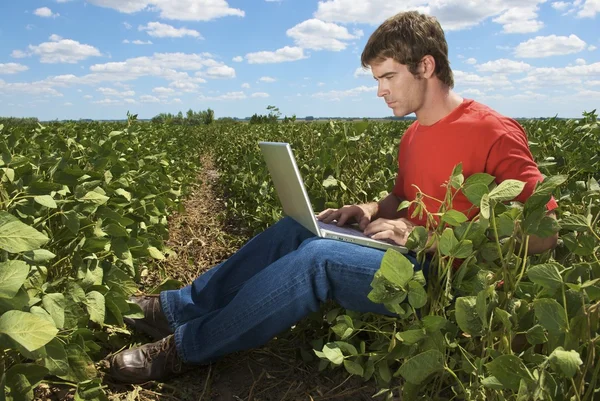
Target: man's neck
{"points": [[438, 103]]}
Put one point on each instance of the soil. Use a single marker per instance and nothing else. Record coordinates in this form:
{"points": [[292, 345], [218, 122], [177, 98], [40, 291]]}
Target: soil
{"points": [[283, 369]]}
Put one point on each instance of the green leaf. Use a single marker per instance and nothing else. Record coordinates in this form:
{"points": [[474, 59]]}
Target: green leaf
{"points": [[536, 335], [551, 315], [333, 353], [116, 230], [95, 197], [509, 370], [479, 178], [55, 306], [454, 217], [45, 200], [56, 358], [330, 182], [493, 383], [13, 274], [467, 317], [433, 323], [574, 222], [71, 220], [81, 367], [39, 255], [15, 236], [410, 337], [546, 275], [475, 193], [419, 367], [353, 368], [566, 362], [155, 253], [507, 190], [463, 249], [550, 184], [484, 207], [123, 193], [96, 306], [29, 330], [417, 297], [447, 242], [396, 268], [22, 379]]}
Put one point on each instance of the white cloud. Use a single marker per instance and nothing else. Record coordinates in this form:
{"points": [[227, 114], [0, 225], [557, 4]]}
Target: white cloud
{"points": [[149, 99], [259, 94], [127, 25], [31, 88], [267, 79], [286, 53], [220, 71], [336, 95], [468, 80], [60, 50], [472, 92], [589, 9], [471, 61], [226, 96], [163, 91], [580, 61], [593, 83], [88, 97], [138, 42], [114, 102], [12, 68], [591, 48], [114, 92], [160, 30], [363, 72], [321, 84], [319, 35], [545, 46], [187, 10], [552, 76], [238, 59], [246, 85], [560, 5], [520, 20], [45, 12], [452, 14], [68, 104], [504, 66]]}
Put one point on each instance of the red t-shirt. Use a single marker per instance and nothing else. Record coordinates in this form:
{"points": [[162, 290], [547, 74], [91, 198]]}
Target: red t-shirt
{"points": [[481, 139]]}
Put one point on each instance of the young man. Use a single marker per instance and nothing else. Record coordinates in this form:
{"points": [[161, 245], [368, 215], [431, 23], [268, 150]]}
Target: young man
{"points": [[284, 273]]}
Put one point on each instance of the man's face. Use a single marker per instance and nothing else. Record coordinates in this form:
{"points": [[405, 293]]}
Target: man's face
{"points": [[402, 91]]}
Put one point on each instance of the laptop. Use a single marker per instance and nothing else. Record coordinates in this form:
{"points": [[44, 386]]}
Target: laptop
{"points": [[296, 204]]}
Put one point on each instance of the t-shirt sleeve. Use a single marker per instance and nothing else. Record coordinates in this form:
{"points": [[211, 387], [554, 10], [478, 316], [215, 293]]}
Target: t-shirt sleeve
{"points": [[510, 158], [399, 184]]}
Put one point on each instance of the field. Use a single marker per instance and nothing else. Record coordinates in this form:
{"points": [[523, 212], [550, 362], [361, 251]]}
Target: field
{"points": [[92, 213]]}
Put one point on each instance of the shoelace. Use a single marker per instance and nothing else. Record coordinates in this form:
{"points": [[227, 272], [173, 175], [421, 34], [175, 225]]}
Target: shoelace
{"points": [[168, 347]]}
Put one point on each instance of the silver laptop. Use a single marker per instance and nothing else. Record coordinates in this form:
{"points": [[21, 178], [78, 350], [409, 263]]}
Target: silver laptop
{"points": [[296, 204]]}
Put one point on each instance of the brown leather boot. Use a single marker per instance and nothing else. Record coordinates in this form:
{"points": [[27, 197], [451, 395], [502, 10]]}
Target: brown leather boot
{"points": [[154, 323], [155, 361]]}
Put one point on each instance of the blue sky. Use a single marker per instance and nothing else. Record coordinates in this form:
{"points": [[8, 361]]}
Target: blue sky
{"points": [[71, 59]]}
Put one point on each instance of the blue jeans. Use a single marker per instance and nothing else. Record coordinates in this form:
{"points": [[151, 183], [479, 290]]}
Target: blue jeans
{"points": [[271, 283]]}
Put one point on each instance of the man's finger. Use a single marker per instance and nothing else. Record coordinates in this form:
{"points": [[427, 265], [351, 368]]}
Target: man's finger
{"points": [[364, 222]]}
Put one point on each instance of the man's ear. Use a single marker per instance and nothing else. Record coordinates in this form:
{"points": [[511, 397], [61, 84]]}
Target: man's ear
{"points": [[427, 66]]}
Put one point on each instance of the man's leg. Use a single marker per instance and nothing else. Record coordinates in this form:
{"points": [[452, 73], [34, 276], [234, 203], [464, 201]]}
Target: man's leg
{"points": [[274, 299], [215, 288]]}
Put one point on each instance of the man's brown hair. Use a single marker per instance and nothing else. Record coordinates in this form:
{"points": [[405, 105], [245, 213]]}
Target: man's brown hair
{"points": [[407, 37]]}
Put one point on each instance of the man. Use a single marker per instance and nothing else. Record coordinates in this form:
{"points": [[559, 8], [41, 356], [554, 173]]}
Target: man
{"points": [[284, 273]]}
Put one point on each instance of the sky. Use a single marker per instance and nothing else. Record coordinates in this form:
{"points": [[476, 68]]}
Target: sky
{"points": [[98, 59]]}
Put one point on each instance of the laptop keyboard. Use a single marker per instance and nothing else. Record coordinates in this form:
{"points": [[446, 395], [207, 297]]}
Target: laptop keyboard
{"points": [[348, 230]]}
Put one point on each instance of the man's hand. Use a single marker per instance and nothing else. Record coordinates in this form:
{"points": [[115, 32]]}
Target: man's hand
{"points": [[396, 230], [360, 214]]}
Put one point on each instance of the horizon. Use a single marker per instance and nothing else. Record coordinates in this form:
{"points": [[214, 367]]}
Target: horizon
{"points": [[96, 59]]}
